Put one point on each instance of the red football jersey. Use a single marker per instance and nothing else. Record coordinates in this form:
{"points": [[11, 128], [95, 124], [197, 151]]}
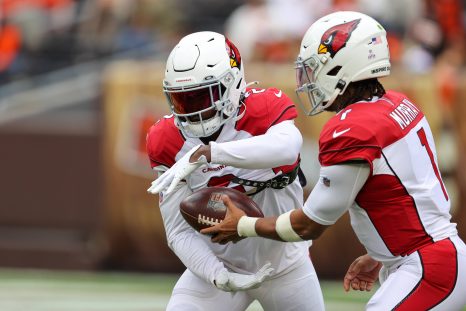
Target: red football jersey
{"points": [[404, 204]]}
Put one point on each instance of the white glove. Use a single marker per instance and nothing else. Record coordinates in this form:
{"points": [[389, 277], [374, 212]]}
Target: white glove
{"points": [[233, 282], [177, 172]]}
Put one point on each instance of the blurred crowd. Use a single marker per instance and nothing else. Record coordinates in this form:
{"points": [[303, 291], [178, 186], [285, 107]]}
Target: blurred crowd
{"points": [[38, 36]]}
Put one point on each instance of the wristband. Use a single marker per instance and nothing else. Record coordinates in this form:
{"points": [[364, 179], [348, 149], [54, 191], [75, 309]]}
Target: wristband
{"points": [[285, 230], [247, 226]]}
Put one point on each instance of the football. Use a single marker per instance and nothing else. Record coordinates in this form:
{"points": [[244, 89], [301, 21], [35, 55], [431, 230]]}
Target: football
{"points": [[204, 208]]}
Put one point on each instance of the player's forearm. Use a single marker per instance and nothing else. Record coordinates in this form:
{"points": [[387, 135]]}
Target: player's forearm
{"points": [[265, 227], [188, 246], [293, 226], [279, 146], [196, 256]]}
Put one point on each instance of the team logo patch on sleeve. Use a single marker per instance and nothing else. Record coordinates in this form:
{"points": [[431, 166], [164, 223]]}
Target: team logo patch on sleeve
{"points": [[325, 181]]}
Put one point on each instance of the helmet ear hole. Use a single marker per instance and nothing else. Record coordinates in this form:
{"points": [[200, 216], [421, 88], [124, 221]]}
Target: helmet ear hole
{"points": [[238, 86], [223, 89], [335, 70]]}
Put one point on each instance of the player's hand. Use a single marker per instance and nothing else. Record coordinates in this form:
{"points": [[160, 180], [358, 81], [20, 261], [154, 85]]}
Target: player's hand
{"points": [[362, 274], [182, 168], [233, 282], [226, 231]]}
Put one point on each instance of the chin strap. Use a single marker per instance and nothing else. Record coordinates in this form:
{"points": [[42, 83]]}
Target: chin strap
{"points": [[249, 84], [238, 117]]}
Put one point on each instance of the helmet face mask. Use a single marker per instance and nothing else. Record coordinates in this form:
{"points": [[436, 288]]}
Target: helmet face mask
{"points": [[199, 110], [306, 73], [186, 102], [338, 49], [204, 80]]}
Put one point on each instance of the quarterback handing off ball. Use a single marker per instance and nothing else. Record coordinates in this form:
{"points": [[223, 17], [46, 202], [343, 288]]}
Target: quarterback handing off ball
{"points": [[204, 208]]}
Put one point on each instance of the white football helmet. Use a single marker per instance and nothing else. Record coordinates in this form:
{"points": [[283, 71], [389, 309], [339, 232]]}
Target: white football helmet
{"points": [[338, 49], [204, 79]]}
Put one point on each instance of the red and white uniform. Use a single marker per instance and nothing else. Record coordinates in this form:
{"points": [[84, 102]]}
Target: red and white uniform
{"points": [[401, 211], [263, 144]]}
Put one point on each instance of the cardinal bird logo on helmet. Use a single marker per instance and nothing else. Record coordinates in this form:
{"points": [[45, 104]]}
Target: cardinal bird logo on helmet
{"points": [[335, 38], [235, 57]]}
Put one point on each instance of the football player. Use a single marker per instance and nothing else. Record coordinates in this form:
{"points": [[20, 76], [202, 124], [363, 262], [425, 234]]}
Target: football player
{"points": [[223, 134], [379, 163]]}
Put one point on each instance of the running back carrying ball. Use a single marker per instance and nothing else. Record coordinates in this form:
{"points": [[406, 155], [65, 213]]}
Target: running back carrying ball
{"points": [[205, 208]]}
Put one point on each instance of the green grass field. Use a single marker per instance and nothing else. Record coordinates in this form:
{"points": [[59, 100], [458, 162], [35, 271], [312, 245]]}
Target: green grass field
{"points": [[33, 290]]}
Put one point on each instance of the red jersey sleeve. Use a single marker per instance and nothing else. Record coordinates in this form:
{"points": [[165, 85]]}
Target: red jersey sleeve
{"points": [[346, 140], [264, 109], [346, 148], [163, 143], [363, 129]]}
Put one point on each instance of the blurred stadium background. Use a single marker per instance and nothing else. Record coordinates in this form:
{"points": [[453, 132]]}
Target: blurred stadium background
{"points": [[80, 82]]}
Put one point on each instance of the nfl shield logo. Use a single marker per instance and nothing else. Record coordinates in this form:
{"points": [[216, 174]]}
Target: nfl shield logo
{"points": [[215, 202], [326, 181]]}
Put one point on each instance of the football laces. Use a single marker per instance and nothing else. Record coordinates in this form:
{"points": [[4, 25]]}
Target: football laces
{"points": [[202, 219]]}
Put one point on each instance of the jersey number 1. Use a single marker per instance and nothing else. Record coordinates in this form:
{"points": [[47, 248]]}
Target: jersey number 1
{"points": [[423, 138]]}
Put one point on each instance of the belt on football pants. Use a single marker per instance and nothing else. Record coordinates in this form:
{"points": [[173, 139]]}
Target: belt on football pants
{"points": [[278, 182]]}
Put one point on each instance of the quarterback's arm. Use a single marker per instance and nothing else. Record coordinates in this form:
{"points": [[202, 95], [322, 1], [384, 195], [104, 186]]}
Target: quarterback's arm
{"points": [[336, 190], [280, 145]]}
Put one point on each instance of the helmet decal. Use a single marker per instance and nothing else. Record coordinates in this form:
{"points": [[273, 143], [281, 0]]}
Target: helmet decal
{"points": [[335, 38], [235, 57]]}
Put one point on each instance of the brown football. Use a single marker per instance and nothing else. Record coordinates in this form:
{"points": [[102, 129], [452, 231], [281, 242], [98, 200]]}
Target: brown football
{"points": [[204, 208]]}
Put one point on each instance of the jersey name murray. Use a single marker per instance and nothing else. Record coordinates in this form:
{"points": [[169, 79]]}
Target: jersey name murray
{"points": [[404, 113]]}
